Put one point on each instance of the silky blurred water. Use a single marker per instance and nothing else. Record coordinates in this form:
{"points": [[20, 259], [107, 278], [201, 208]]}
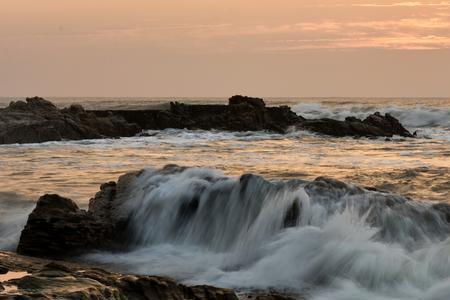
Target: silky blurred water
{"points": [[332, 241]]}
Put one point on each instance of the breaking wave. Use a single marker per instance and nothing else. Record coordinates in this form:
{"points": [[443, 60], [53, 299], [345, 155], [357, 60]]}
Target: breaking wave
{"points": [[412, 117], [324, 238]]}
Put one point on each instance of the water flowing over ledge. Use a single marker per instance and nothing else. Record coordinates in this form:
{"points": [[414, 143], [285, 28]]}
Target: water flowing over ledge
{"points": [[323, 238]]}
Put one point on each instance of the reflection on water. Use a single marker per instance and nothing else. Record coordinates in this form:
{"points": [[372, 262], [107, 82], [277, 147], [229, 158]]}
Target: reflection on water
{"points": [[418, 168], [12, 275]]}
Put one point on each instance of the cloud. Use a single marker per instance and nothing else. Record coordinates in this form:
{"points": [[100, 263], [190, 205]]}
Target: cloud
{"points": [[404, 4], [402, 29]]}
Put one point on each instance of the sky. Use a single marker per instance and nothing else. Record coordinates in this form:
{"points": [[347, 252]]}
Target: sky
{"points": [[322, 48]]}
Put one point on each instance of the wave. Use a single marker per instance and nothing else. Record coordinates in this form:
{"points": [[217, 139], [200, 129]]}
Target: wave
{"points": [[14, 211], [324, 238], [412, 117]]}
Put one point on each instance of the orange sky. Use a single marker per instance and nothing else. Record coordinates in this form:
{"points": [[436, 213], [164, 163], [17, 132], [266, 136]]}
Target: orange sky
{"points": [[223, 47]]}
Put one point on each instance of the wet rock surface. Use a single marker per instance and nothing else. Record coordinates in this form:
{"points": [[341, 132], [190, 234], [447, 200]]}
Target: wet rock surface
{"points": [[65, 280], [58, 228], [43, 236], [38, 120]]}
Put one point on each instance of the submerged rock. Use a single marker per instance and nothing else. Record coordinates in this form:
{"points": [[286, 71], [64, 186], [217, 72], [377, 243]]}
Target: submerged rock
{"points": [[72, 281]]}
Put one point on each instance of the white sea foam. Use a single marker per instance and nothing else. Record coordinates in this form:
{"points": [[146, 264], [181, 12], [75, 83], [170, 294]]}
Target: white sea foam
{"points": [[410, 116], [335, 242]]}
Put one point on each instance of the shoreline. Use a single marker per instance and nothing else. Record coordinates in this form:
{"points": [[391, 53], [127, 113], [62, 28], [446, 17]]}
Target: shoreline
{"points": [[58, 231]]}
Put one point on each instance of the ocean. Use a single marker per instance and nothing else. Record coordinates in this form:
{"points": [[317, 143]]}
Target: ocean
{"points": [[339, 242]]}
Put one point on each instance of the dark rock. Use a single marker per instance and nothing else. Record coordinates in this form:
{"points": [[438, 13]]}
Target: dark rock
{"points": [[3, 270], [444, 209], [242, 114], [64, 280], [57, 228], [47, 203], [352, 119], [38, 120], [277, 297], [373, 126], [292, 215], [244, 100], [388, 124]]}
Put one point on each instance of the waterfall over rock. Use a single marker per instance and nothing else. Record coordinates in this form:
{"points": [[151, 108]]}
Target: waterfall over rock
{"points": [[247, 233]]}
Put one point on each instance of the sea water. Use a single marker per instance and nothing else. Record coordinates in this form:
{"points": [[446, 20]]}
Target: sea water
{"points": [[337, 254]]}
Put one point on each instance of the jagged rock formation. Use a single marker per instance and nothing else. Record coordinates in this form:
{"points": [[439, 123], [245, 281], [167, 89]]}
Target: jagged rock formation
{"points": [[374, 125], [241, 114], [58, 228], [38, 120]]}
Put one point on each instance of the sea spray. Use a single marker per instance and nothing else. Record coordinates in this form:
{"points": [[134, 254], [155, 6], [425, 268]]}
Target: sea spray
{"points": [[14, 211], [325, 238], [410, 116]]}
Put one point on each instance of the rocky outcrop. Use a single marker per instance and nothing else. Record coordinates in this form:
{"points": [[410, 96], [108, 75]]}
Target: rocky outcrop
{"points": [[38, 120], [373, 126], [58, 228], [241, 114], [71, 281]]}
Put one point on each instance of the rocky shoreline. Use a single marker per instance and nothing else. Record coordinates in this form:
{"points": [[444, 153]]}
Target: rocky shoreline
{"points": [[46, 265], [37, 120], [57, 231], [26, 278], [58, 228], [34, 278]]}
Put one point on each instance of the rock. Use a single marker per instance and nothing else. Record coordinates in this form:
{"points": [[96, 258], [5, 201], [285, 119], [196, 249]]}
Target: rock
{"points": [[3, 270], [373, 126], [70, 281], [57, 228], [260, 295], [38, 120], [387, 123], [277, 297], [242, 114], [444, 209], [292, 216], [244, 100]]}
